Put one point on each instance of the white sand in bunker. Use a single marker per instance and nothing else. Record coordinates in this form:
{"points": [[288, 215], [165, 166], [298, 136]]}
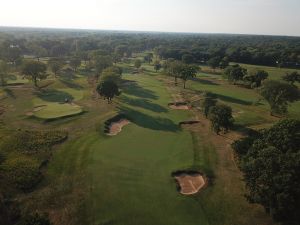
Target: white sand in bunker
{"points": [[116, 127], [181, 106], [190, 184]]}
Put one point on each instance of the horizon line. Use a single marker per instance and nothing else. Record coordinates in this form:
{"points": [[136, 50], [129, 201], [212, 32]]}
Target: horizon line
{"points": [[141, 31]]}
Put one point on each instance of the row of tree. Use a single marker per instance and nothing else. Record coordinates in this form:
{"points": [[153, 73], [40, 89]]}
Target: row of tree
{"points": [[270, 162]]}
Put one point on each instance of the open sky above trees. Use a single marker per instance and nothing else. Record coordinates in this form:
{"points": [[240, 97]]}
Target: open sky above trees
{"points": [[272, 17]]}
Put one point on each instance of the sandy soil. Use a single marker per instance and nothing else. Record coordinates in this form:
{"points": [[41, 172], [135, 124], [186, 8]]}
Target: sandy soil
{"points": [[116, 127], [190, 184], [181, 107]]}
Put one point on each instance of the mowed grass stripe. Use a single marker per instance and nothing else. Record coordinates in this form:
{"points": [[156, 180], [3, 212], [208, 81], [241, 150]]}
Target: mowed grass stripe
{"points": [[131, 173]]}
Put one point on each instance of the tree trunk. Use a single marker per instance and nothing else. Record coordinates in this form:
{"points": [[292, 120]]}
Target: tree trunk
{"points": [[175, 81], [184, 84]]}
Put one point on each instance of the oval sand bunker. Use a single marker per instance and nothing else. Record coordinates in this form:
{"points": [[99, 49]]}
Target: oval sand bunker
{"points": [[190, 183], [116, 127], [179, 105]]}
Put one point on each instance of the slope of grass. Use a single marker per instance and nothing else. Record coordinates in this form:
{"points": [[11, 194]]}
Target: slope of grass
{"points": [[127, 178]]}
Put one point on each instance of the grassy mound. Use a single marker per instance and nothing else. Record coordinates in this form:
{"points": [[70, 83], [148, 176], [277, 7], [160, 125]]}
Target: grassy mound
{"points": [[58, 110], [53, 104]]}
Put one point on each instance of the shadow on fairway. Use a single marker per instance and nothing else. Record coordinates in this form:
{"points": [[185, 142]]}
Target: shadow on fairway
{"points": [[144, 103], [71, 84], [205, 82], [52, 95], [226, 98], [137, 91], [150, 122]]}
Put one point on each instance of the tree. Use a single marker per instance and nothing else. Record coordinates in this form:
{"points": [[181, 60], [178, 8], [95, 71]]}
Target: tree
{"points": [[173, 68], [55, 65], [214, 62], [187, 72], [270, 163], [157, 65], [278, 95], [207, 104], [35, 71], [224, 63], [148, 57], [101, 63], [221, 118], [188, 58], [75, 62], [112, 73], [108, 89], [256, 77], [235, 73], [3, 72], [137, 63], [292, 77], [35, 219]]}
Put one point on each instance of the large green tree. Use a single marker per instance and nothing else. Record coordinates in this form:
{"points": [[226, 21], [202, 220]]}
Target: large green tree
{"points": [[220, 117], [108, 89], [75, 62], [256, 77], [35, 71], [188, 72], [235, 73], [101, 63], [55, 65], [137, 63], [157, 65], [292, 77], [278, 95], [207, 103], [270, 162], [3, 72], [112, 73]]}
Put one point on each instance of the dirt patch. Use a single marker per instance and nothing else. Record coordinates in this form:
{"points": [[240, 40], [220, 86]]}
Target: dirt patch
{"points": [[179, 105], [38, 108], [116, 127], [189, 183]]}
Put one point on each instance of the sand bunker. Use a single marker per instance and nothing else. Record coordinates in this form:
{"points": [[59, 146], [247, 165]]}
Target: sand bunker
{"points": [[179, 105], [116, 127], [189, 183]]}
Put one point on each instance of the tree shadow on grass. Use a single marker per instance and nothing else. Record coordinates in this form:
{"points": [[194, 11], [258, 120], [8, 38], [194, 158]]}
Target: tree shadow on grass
{"points": [[71, 84], [149, 122], [135, 90], [144, 103], [10, 93], [226, 98], [52, 95], [205, 82]]}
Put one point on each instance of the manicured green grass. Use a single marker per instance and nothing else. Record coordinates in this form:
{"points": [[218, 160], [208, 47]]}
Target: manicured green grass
{"points": [[127, 178], [16, 79], [55, 110]]}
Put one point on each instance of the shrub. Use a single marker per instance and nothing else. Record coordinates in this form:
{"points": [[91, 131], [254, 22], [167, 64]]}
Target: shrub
{"points": [[22, 171], [33, 141], [35, 219]]}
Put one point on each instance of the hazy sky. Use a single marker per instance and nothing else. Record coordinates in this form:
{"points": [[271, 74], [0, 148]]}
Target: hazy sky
{"points": [[206, 16]]}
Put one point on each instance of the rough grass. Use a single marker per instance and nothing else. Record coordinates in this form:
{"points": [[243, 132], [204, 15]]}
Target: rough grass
{"points": [[126, 179]]}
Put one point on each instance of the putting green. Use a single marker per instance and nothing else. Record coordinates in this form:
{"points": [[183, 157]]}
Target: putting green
{"points": [[50, 104], [57, 110]]}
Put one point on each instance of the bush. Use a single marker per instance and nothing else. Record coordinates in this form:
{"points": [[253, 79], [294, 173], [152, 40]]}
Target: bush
{"points": [[22, 171], [35, 219], [33, 141]]}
